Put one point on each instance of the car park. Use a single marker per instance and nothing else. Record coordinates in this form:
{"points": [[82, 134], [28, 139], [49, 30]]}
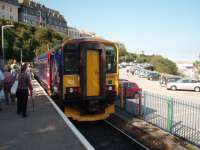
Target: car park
{"points": [[184, 84], [144, 74], [132, 90], [153, 76]]}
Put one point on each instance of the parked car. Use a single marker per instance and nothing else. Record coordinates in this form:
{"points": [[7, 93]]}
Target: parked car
{"points": [[132, 89], [184, 84], [153, 76], [144, 74], [164, 81]]}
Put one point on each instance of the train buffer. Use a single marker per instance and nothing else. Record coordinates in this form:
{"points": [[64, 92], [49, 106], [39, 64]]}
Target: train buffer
{"points": [[45, 128]]}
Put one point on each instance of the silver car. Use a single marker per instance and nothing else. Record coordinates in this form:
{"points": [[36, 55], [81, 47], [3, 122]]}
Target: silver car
{"points": [[184, 84]]}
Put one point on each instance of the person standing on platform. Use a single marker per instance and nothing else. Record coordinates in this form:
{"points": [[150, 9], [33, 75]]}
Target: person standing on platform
{"points": [[29, 71], [8, 81], [22, 91], [2, 95]]}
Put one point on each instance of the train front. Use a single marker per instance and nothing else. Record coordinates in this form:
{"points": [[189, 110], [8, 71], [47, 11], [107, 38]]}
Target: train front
{"points": [[90, 79]]}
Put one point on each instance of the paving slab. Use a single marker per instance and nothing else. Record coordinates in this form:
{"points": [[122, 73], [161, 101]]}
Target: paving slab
{"points": [[43, 129]]}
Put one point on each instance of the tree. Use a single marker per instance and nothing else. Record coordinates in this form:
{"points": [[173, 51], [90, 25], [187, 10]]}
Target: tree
{"points": [[121, 48], [30, 40], [196, 65], [164, 65]]}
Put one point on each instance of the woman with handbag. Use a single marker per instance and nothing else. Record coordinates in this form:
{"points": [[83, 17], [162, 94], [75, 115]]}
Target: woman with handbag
{"points": [[24, 84], [8, 81]]}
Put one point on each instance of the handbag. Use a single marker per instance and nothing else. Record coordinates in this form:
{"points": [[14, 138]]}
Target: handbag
{"points": [[14, 87], [2, 96]]}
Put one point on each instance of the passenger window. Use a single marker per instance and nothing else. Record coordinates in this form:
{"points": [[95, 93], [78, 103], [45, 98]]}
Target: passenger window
{"points": [[71, 62], [131, 85], [193, 81], [185, 81], [111, 59]]}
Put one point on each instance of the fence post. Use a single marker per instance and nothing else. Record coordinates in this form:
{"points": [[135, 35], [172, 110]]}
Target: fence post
{"points": [[144, 107], [140, 105], [121, 97], [125, 97], [169, 113]]}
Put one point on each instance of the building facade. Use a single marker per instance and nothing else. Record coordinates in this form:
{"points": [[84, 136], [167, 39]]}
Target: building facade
{"points": [[73, 33], [9, 9], [84, 34], [186, 68], [38, 15]]}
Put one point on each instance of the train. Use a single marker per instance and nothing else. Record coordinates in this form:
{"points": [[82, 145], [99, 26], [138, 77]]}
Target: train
{"points": [[82, 77]]}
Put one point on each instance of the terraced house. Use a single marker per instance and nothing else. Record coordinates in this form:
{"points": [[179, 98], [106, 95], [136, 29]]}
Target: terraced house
{"points": [[36, 14], [9, 9]]}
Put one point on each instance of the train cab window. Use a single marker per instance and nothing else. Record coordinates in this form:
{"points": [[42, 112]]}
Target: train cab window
{"points": [[71, 62], [111, 59]]}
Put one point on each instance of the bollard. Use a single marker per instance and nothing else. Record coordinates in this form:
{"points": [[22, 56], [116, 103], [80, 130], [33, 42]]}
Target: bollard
{"points": [[170, 114], [144, 107], [140, 104]]}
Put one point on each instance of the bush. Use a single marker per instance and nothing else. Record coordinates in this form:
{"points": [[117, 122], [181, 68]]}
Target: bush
{"points": [[32, 41]]}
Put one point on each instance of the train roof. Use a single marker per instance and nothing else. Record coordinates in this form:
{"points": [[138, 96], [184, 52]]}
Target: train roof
{"points": [[73, 41], [77, 41]]}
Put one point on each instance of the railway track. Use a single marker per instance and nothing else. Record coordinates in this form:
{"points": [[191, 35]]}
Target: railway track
{"points": [[103, 135]]}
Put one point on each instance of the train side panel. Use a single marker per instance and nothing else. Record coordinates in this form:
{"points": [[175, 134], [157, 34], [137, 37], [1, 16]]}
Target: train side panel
{"points": [[42, 69]]}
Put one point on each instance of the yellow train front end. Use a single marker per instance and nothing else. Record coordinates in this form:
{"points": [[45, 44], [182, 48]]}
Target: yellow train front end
{"points": [[89, 79]]}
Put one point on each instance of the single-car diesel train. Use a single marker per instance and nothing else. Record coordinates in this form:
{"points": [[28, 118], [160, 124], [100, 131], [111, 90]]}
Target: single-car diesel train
{"points": [[83, 76]]}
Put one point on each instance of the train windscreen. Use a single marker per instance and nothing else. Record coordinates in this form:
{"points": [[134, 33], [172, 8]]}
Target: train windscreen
{"points": [[71, 62], [111, 59]]}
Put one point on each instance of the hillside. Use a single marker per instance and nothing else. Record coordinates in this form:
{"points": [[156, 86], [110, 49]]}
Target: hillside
{"points": [[160, 63], [32, 41]]}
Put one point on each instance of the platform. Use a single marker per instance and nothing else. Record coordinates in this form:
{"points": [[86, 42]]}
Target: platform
{"points": [[43, 129]]}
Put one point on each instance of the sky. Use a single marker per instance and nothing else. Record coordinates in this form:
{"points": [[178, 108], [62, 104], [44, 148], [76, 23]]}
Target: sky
{"points": [[167, 27]]}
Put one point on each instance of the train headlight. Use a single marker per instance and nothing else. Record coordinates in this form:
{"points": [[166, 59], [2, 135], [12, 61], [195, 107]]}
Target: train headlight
{"points": [[110, 88], [71, 90]]}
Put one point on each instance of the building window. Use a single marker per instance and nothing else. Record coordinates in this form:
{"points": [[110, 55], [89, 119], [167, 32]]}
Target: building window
{"points": [[3, 7], [10, 9]]}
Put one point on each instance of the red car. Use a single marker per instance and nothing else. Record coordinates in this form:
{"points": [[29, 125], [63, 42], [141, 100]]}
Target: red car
{"points": [[132, 89]]}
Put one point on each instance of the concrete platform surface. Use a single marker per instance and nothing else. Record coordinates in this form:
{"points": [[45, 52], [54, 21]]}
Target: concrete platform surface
{"points": [[43, 129]]}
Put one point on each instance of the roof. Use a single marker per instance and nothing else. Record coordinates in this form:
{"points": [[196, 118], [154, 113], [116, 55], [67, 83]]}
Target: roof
{"points": [[123, 81], [77, 41], [13, 2]]}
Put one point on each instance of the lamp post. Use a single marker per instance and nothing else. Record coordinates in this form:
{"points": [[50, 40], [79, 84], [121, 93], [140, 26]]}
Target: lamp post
{"points": [[21, 55], [2, 29]]}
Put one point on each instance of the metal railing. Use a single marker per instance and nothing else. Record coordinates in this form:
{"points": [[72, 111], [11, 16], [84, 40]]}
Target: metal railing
{"points": [[179, 117]]}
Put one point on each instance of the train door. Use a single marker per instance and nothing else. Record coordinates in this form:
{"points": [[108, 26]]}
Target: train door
{"points": [[51, 73], [93, 73]]}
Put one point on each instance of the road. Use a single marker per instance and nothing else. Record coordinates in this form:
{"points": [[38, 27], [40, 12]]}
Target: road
{"points": [[154, 87]]}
